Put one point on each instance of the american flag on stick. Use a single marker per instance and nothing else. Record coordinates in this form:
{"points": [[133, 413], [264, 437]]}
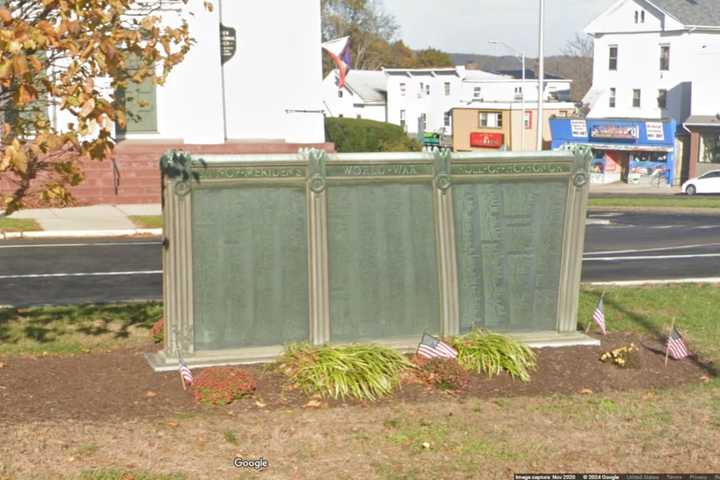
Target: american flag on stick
{"points": [[431, 347], [599, 316], [186, 375], [675, 346]]}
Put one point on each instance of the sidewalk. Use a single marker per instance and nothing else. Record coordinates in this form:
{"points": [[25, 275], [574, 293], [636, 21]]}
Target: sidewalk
{"points": [[94, 221], [623, 189]]}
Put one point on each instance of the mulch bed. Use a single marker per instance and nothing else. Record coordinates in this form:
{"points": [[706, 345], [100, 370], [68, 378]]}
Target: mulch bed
{"points": [[120, 385]]}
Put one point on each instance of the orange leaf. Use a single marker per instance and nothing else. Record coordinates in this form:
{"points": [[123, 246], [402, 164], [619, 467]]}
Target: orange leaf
{"points": [[5, 15]]}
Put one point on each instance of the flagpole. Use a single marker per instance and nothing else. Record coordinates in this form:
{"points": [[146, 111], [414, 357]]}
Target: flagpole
{"points": [[222, 83], [667, 343]]}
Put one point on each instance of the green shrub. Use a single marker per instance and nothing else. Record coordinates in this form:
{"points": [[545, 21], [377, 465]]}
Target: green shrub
{"points": [[357, 135], [481, 351], [365, 372], [443, 373], [222, 385]]}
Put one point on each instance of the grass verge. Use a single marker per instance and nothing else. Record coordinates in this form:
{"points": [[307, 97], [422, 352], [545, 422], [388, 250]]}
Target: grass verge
{"points": [[75, 329], [147, 221], [18, 225], [650, 310], [669, 201]]}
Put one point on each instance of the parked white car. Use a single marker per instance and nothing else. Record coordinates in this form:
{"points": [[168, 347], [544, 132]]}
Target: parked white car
{"points": [[708, 183]]}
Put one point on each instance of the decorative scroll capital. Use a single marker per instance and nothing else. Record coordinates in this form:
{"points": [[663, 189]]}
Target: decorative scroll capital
{"points": [[317, 172], [177, 166], [441, 163], [583, 157]]}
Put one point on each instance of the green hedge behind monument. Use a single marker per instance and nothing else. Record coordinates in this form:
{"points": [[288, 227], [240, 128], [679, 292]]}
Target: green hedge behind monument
{"points": [[356, 135]]}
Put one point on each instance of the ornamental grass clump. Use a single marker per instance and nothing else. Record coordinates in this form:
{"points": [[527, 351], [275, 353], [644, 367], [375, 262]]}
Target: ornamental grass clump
{"points": [[222, 385], [365, 372], [492, 353]]}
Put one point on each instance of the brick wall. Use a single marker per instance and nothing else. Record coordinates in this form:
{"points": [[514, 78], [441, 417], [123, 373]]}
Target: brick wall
{"points": [[139, 172]]}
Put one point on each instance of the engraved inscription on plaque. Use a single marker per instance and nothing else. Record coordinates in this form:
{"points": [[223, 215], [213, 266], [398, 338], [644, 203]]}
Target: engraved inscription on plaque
{"points": [[382, 259], [508, 241], [249, 267]]}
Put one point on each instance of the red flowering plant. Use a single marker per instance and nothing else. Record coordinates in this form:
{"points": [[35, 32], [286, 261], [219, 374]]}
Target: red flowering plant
{"points": [[222, 385], [157, 331]]}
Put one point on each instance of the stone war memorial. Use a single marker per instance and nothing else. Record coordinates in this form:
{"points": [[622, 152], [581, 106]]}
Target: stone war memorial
{"points": [[263, 251]]}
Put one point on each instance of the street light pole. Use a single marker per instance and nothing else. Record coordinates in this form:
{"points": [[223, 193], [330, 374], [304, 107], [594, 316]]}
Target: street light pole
{"points": [[541, 77], [522, 92]]}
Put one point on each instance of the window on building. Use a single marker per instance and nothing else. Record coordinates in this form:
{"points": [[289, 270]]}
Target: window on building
{"points": [[637, 16], [341, 116], [427, 89], [665, 57], [613, 57], [448, 119], [422, 89], [528, 120], [477, 92], [340, 93], [359, 117], [636, 98], [141, 107], [613, 97], [518, 93], [710, 148], [490, 120], [642, 16], [447, 89], [662, 98], [403, 89], [403, 123]]}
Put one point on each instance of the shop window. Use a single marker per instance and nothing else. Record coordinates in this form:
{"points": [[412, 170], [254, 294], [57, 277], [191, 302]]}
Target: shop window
{"points": [[613, 57], [490, 120], [613, 96], [636, 98], [662, 98], [710, 151], [664, 57], [528, 120]]}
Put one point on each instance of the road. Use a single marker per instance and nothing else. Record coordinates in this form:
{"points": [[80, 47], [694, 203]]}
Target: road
{"points": [[619, 247]]}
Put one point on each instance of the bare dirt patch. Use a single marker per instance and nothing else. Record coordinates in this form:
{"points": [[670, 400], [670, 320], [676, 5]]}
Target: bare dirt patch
{"points": [[120, 385]]}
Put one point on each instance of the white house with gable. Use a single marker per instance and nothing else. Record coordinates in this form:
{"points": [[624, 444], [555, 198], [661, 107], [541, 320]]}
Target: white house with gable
{"points": [[646, 56], [364, 95]]}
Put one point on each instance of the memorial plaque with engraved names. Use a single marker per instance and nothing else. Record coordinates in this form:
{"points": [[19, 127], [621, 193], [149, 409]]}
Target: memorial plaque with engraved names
{"points": [[250, 268], [508, 244], [382, 260]]}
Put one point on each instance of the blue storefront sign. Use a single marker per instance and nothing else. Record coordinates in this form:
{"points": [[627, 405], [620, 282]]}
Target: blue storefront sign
{"points": [[631, 150]]}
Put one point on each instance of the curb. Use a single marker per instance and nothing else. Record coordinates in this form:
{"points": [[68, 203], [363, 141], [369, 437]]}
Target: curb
{"points": [[636, 283], [130, 232]]}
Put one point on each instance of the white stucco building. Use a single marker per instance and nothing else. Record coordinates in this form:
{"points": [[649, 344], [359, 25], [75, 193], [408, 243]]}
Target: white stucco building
{"points": [[422, 99], [248, 99]]}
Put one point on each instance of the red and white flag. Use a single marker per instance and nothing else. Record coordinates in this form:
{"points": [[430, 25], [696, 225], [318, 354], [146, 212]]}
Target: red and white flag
{"points": [[676, 347], [599, 315], [431, 347], [339, 50]]}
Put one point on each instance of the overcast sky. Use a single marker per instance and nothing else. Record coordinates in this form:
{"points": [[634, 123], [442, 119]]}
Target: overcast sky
{"points": [[466, 26]]}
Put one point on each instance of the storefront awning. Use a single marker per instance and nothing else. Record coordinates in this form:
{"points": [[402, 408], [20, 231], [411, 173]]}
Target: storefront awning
{"points": [[629, 148]]}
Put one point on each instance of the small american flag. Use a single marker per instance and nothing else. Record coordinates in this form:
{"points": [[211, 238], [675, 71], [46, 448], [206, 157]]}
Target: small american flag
{"points": [[676, 347], [431, 347], [185, 373], [599, 315]]}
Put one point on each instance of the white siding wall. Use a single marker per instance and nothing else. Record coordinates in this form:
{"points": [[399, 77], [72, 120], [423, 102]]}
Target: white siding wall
{"points": [[639, 63], [706, 86]]}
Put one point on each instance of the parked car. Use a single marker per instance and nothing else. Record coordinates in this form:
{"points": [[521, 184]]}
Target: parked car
{"points": [[707, 183]]}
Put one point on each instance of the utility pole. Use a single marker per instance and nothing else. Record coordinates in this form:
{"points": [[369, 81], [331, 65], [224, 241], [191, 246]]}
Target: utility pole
{"points": [[541, 77]]}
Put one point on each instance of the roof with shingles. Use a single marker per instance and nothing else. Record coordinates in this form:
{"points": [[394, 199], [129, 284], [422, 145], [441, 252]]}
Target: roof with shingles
{"points": [[704, 13]]}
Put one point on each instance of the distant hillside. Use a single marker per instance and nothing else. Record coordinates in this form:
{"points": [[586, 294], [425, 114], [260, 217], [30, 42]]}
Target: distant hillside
{"points": [[575, 68]]}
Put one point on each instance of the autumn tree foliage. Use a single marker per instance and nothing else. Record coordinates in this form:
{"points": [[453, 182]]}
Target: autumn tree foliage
{"points": [[74, 56]]}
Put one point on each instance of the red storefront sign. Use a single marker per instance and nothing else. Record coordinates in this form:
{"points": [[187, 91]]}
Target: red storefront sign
{"points": [[486, 140]]}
